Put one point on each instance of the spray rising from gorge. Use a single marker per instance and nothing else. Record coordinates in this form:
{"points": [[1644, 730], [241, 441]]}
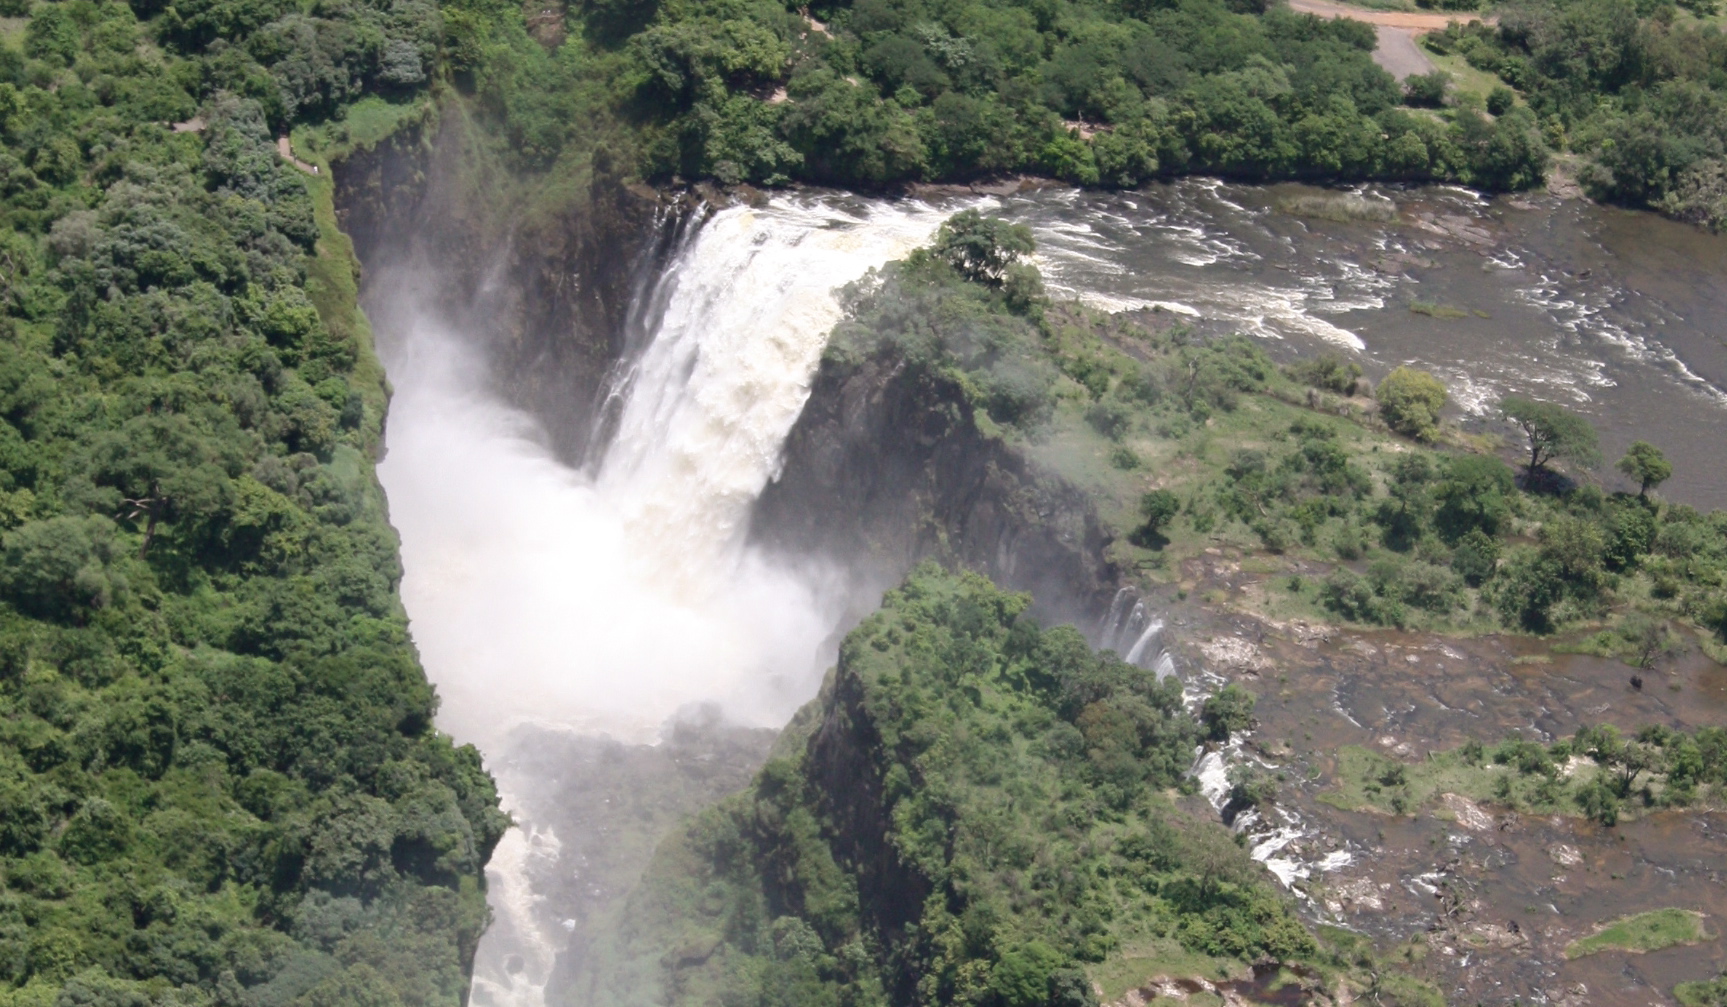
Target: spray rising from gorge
{"points": [[609, 600], [606, 601]]}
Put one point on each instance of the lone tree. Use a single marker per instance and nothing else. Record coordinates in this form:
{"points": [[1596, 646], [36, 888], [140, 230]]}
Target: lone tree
{"points": [[1410, 401], [1554, 432], [1228, 711], [982, 248], [1157, 507], [1645, 463]]}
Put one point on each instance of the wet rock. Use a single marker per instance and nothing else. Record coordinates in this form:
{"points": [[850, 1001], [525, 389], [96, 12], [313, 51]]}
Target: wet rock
{"points": [[1358, 895], [1493, 935], [1467, 813], [1564, 855], [1234, 654]]}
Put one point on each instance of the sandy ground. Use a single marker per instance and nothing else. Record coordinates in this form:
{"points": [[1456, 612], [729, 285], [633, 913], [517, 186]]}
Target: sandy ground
{"points": [[1397, 51]]}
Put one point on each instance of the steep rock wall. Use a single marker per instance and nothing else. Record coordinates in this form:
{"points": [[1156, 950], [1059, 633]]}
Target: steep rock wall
{"points": [[555, 281], [887, 466]]}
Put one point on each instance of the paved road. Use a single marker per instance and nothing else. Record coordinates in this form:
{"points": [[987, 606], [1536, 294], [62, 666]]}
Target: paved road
{"points": [[1398, 52], [1397, 30]]}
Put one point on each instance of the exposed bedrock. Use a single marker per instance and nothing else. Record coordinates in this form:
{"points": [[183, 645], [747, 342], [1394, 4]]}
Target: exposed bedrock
{"points": [[556, 284], [887, 466]]}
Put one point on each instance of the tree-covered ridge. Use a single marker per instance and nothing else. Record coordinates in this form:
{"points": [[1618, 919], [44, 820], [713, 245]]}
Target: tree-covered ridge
{"points": [[879, 91], [219, 783], [1638, 89], [975, 811], [1207, 442]]}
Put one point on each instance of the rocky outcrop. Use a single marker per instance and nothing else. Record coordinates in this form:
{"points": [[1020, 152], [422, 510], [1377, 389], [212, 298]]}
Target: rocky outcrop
{"points": [[887, 466], [556, 288]]}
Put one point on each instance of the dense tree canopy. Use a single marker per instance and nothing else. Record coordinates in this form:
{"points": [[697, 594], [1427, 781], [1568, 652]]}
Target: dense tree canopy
{"points": [[1635, 88], [219, 783], [881, 91], [972, 812]]}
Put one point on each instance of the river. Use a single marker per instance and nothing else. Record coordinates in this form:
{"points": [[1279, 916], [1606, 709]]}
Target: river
{"points": [[1620, 315], [557, 606]]}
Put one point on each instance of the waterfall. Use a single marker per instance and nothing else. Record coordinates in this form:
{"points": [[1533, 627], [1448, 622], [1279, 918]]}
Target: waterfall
{"points": [[605, 598], [1130, 623]]}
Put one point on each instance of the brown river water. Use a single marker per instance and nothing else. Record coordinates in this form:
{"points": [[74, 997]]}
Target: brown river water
{"points": [[1487, 901]]}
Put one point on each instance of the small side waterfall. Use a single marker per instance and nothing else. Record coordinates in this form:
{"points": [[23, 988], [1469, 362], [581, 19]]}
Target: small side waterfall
{"points": [[1133, 631], [1273, 832]]}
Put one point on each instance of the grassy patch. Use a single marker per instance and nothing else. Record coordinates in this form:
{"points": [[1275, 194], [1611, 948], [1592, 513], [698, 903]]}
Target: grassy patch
{"points": [[1368, 781], [1409, 991], [1651, 931], [367, 123], [1434, 310], [1139, 964], [1340, 207], [1468, 84], [1702, 994]]}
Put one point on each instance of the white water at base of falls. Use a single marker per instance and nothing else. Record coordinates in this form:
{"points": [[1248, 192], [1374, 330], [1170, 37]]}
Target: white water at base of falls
{"points": [[606, 603]]}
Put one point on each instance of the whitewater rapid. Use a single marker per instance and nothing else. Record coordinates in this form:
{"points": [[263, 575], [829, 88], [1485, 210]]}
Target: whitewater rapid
{"points": [[608, 601]]}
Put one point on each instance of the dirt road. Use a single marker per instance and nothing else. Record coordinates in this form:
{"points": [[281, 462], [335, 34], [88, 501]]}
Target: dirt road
{"points": [[1397, 52]]}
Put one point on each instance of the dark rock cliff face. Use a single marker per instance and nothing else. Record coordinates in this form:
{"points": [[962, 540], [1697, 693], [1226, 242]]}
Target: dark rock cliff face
{"points": [[845, 760], [886, 467], [556, 296]]}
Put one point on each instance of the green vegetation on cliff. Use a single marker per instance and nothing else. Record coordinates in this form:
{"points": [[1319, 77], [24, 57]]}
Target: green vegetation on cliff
{"points": [[1187, 444], [974, 811], [219, 783]]}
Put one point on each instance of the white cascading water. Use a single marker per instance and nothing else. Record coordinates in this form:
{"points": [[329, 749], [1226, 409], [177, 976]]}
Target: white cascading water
{"points": [[605, 603]]}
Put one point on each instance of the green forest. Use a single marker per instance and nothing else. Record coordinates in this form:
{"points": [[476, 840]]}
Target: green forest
{"points": [[1103, 93], [975, 811], [219, 782]]}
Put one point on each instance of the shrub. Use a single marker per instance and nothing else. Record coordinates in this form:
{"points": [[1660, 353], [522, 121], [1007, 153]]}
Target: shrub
{"points": [[1526, 589], [1227, 711], [1354, 598], [1157, 508], [1110, 417], [1426, 90], [1476, 557], [1327, 372], [1475, 494], [1410, 401]]}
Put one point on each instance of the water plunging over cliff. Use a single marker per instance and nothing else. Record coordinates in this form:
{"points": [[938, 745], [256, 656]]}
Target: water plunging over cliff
{"points": [[608, 597], [607, 602]]}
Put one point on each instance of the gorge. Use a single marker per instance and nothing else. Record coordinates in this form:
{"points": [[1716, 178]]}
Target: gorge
{"points": [[673, 563], [1003, 503]]}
